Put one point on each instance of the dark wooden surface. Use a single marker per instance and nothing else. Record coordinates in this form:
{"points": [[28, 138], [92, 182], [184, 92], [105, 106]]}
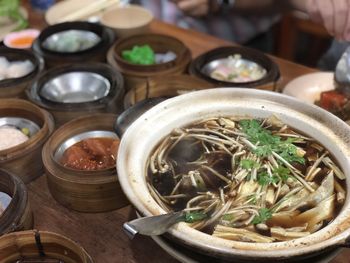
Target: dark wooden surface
{"points": [[101, 234]]}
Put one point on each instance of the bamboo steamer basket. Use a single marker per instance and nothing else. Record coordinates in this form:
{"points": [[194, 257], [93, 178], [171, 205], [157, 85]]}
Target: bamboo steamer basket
{"points": [[25, 158], [171, 86], [15, 88], [96, 53], [66, 111], [41, 245], [18, 215], [85, 191], [137, 75], [267, 82]]}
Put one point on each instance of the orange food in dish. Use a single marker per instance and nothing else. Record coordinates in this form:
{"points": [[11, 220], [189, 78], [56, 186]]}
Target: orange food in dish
{"points": [[91, 154], [22, 41]]}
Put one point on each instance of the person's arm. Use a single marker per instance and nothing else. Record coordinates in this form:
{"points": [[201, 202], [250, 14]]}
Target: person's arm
{"points": [[334, 15]]}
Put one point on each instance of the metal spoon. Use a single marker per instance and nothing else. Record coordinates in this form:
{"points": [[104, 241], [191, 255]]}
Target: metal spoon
{"points": [[152, 225]]}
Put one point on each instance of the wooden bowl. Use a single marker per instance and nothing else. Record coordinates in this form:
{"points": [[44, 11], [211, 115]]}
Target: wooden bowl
{"points": [[136, 75], [41, 245], [171, 86], [18, 215], [85, 191], [267, 82], [127, 20], [96, 53], [66, 111], [15, 88], [25, 158]]}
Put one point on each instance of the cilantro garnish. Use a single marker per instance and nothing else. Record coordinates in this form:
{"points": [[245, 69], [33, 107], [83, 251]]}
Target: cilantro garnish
{"points": [[282, 172], [192, 217], [266, 142], [265, 179], [264, 215], [228, 217], [248, 164]]}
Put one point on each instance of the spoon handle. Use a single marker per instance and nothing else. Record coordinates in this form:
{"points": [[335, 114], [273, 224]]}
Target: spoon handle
{"points": [[152, 225]]}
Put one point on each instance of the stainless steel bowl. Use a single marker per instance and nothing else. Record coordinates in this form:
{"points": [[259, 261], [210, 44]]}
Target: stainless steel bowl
{"points": [[20, 123], [5, 200], [71, 41], [76, 87], [79, 137], [210, 67]]}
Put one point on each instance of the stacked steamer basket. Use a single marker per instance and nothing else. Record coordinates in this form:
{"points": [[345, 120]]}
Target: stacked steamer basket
{"points": [[33, 124], [135, 74], [17, 69], [171, 86], [65, 43], [71, 91], [236, 67], [84, 184], [41, 246], [15, 212]]}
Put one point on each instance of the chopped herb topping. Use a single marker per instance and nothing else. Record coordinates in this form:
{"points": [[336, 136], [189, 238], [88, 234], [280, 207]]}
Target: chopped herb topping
{"points": [[228, 217], [192, 217], [264, 179], [248, 164], [264, 215], [267, 143]]}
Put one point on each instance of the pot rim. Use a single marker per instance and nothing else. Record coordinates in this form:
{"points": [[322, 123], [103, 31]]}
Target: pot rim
{"points": [[333, 131]]}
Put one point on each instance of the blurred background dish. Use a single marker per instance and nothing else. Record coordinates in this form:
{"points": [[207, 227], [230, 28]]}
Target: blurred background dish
{"points": [[21, 39], [309, 87], [7, 25], [71, 10], [128, 20], [72, 48]]}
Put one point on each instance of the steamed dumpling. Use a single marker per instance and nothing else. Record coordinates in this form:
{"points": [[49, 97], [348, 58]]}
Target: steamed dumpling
{"points": [[19, 69]]}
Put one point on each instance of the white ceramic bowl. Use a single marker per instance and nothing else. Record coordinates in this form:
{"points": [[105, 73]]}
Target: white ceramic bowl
{"points": [[127, 20], [147, 131]]}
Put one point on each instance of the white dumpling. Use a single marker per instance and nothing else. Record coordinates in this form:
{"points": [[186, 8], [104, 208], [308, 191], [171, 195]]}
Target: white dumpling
{"points": [[4, 64], [10, 137], [19, 69]]}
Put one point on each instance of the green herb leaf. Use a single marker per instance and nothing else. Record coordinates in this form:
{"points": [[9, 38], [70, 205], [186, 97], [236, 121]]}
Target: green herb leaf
{"points": [[265, 179], [268, 143], [228, 217], [248, 164], [282, 172], [264, 215], [192, 217]]}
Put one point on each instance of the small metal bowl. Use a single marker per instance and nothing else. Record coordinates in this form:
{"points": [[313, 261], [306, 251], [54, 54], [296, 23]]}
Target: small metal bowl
{"points": [[76, 87], [20, 123], [71, 41], [79, 137], [210, 67]]}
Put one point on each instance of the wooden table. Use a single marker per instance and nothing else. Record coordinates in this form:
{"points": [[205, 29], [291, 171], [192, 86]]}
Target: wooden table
{"points": [[101, 234]]}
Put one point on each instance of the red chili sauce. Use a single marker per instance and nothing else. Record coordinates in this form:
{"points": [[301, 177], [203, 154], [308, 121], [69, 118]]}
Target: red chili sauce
{"points": [[91, 154]]}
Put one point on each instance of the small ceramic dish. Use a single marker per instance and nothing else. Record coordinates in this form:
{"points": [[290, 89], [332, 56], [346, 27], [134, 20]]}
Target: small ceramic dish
{"points": [[21, 39], [308, 87], [128, 20]]}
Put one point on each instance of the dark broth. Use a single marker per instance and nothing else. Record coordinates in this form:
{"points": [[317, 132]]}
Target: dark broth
{"points": [[239, 180]]}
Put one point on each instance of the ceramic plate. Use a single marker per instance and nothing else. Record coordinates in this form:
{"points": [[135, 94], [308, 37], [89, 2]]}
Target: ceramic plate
{"points": [[309, 87], [64, 8]]}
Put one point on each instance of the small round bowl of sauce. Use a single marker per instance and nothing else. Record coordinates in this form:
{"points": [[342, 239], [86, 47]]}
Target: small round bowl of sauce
{"points": [[22, 39], [80, 164]]}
